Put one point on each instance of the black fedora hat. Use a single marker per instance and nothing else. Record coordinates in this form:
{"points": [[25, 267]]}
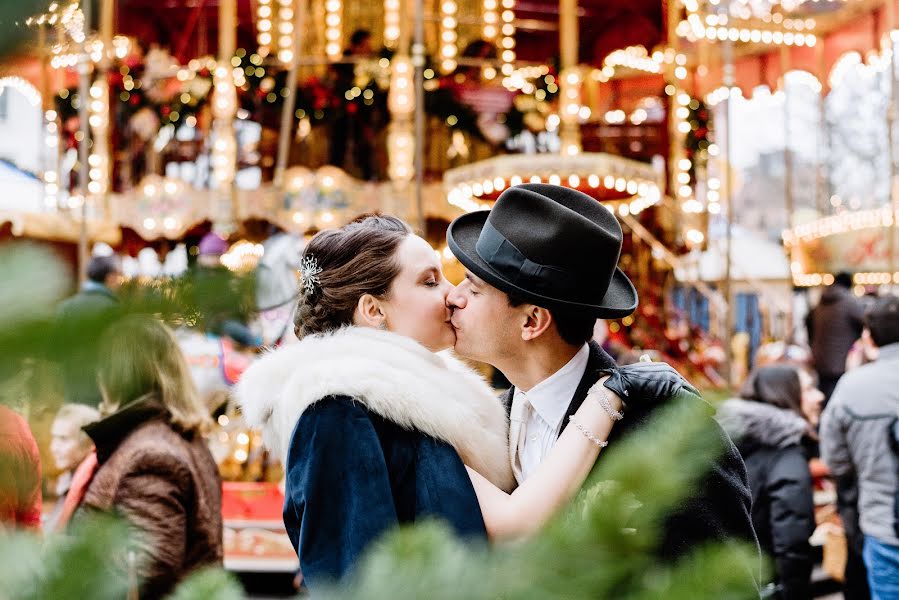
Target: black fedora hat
{"points": [[550, 245]]}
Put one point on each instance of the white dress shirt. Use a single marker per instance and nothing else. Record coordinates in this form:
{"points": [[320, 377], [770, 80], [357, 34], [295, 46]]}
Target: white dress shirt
{"points": [[542, 410]]}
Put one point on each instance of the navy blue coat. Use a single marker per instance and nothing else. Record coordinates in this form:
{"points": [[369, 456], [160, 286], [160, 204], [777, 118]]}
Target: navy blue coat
{"points": [[352, 475]]}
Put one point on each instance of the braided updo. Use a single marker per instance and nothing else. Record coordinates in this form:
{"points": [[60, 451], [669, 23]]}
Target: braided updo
{"points": [[357, 259]]}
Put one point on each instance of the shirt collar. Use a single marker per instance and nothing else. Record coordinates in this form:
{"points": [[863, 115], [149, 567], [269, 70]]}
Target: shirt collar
{"points": [[550, 398]]}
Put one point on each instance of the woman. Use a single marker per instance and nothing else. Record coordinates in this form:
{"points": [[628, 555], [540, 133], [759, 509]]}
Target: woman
{"points": [[152, 463], [374, 428], [777, 412], [69, 446]]}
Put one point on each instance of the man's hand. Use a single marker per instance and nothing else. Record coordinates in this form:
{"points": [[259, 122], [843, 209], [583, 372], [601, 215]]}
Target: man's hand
{"points": [[643, 385]]}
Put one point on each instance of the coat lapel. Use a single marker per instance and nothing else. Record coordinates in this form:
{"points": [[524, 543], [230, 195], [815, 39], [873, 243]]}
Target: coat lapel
{"points": [[597, 361]]}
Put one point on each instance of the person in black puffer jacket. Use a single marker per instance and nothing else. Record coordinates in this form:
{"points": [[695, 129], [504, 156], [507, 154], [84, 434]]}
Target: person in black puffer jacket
{"points": [[775, 415]]}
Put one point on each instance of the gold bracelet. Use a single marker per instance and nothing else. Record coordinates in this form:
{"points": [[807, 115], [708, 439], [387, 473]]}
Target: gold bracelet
{"points": [[587, 433]]}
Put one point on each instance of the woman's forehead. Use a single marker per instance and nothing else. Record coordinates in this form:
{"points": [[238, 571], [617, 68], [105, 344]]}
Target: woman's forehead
{"points": [[417, 254]]}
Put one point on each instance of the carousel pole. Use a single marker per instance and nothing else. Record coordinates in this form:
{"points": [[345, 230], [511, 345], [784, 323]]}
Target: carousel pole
{"points": [[729, 211], [401, 100], [84, 94], [418, 62], [107, 24], [45, 64], [674, 149], [290, 102], [569, 128], [891, 121], [224, 108], [789, 200], [821, 170]]}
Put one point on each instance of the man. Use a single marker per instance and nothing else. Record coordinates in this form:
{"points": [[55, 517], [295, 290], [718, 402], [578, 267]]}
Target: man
{"points": [[833, 326], [81, 321], [541, 267], [230, 319], [855, 443]]}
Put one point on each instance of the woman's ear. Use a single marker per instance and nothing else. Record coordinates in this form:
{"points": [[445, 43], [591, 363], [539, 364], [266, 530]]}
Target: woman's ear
{"points": [[369, 312]]}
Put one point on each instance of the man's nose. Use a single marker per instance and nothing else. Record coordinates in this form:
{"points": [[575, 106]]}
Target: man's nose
{"points": [[454, 299]]}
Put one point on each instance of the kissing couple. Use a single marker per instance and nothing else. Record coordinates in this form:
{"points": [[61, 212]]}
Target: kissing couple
{"points": [[377, 424]]}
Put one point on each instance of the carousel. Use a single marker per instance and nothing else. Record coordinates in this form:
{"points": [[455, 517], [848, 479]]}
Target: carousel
{"points": [[260, 122]]}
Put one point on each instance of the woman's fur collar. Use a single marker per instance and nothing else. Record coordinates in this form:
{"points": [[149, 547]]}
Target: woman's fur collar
{"points": [[394, 377]]}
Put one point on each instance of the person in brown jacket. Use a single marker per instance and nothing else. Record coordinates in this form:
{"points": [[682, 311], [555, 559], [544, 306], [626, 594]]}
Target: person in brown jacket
{"points": [[152, 464]]}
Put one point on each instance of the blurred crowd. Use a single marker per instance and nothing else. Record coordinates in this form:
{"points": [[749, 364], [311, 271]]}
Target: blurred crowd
{"points": [[817, 430]]}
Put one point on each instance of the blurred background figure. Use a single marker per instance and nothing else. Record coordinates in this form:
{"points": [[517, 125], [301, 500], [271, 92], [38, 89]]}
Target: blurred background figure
{"points": [[69, 446], [230, 323], [833, 327], [855, 444], [152, 464], [20, 474], [81, 320], [771, 423], [863, 351]]}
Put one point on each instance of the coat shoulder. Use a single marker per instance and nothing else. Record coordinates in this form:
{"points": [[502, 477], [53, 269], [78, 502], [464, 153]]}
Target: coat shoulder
{"points": [[153, 449], [337, 411]]}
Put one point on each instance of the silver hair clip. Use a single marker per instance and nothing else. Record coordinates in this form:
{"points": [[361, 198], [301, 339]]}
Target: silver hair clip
{"points": [[309, 271]]}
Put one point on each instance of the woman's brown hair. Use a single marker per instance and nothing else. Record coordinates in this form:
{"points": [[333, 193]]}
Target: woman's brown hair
{"points": [[140, 356], [357, 259]]}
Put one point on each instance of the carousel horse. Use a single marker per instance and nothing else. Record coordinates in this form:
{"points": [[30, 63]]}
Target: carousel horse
{"points": [[216, 362], [277, 287]]}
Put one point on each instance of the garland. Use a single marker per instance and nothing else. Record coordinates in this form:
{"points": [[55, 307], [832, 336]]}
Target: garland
{"points": [[140, 96], [698, 139]]}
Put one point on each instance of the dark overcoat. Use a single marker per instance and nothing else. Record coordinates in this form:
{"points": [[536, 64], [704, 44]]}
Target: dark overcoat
{"points": [[717, 510], [352, 475]]}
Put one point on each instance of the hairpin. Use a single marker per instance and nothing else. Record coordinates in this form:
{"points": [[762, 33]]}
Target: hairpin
{"points": [[309, 272]]}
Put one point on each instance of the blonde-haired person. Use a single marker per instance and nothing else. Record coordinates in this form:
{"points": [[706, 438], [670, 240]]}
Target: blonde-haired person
{"points": [[152, 463], [69, 447]]}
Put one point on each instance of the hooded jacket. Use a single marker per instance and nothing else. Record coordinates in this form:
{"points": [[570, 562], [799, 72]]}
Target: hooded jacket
{"points": [[833, 326], [373, 430], [770, 440]]}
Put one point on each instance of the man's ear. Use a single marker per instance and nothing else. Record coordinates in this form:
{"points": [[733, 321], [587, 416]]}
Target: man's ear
{"points": [[536, 320], [369, 312]]}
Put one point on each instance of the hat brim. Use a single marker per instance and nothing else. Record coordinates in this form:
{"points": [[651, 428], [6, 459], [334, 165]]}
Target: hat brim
{"points": [[619, 301]]}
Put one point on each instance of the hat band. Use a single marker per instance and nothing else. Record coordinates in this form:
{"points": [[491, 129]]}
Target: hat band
{"points": [[507, 260]]}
